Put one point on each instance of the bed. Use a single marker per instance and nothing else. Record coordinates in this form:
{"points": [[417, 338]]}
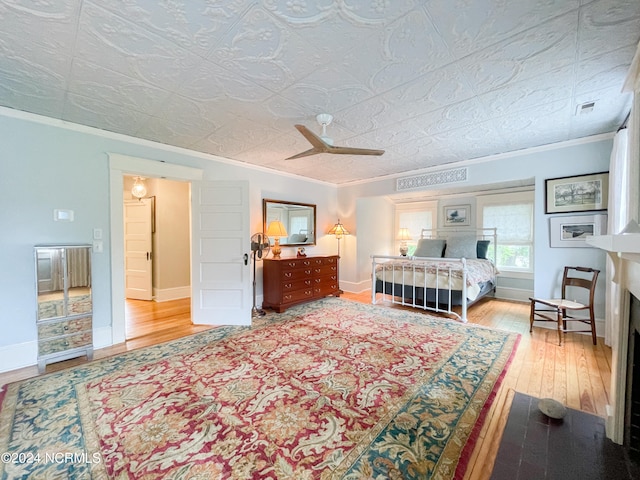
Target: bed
{"points": [[450, 268]]}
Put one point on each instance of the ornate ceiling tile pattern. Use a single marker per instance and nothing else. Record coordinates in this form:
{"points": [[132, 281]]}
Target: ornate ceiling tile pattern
{"points": [[432, 82]]}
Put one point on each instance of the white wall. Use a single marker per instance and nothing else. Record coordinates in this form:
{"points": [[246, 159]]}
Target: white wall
{"points": [[48, 164]]}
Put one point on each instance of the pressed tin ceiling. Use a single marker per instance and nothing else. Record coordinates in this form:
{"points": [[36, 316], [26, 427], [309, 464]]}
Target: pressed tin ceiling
{"points": [[432, 82]]}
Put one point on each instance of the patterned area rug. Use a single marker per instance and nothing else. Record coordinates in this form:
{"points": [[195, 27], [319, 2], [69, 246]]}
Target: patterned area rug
{"points": [[328, 390]]}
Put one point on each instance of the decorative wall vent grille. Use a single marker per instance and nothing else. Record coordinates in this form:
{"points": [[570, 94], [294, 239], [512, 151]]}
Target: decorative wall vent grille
{"points": [[454, 175]]}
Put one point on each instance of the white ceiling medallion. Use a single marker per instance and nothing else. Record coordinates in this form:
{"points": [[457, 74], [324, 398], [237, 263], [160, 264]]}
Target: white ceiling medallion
{"points": [[454, 175]]}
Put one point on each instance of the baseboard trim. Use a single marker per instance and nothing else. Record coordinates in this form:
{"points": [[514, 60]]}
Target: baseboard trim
{"points": [[19, 355], [355, 287], [515, 294], [102, 337], [168, 294]]}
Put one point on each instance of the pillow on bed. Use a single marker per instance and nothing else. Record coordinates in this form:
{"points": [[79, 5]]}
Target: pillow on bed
{"points": [[461, 246], [429, 247], [482, 248]]}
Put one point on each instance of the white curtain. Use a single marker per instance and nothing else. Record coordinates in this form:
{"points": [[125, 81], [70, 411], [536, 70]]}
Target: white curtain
{"points": [[619, 216]]}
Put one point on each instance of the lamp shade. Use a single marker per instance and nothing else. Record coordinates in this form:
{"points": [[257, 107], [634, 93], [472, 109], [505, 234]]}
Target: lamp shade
{"points": [[276, 229], [338, 230], [404, 234]]}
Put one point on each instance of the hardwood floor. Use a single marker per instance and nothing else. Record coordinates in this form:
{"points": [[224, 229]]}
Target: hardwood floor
{"points": [[576, 374]]}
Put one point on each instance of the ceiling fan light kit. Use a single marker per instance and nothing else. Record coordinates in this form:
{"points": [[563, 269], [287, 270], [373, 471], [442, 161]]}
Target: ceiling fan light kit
{"points": [[324, 144]]}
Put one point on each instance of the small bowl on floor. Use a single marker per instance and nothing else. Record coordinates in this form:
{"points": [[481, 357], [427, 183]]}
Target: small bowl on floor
{"points": [[552, 408]]}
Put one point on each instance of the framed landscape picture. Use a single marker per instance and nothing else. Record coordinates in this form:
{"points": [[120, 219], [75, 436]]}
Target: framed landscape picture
{"points": [[572, 231], [582, 193], [457, 215]]}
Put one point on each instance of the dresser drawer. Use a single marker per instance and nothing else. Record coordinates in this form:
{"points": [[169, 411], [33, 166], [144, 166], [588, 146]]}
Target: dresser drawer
{"points": [[325, 270], [326, 261], [298, 295], [326, 288], [297, 285], [64, 327], [60, 344], [300, 274], [295, 264]]}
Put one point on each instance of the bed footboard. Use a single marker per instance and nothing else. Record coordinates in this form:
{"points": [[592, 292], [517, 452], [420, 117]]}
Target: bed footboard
{"points": [[405, 285]]}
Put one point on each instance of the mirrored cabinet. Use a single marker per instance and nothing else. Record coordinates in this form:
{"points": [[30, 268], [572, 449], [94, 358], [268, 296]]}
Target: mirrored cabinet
{"points": [[64, 306]]}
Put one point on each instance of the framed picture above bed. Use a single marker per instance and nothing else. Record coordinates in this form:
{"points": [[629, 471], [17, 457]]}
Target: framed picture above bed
{"points": [[457, 215], [572, 231], [581, 193]]}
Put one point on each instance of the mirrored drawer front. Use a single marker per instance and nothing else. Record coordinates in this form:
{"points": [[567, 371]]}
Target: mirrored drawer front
{"points": [[66, 327], [61, 344]]}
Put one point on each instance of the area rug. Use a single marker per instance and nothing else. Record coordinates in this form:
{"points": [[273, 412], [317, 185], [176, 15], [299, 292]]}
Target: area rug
{"points": [[328, 390]]}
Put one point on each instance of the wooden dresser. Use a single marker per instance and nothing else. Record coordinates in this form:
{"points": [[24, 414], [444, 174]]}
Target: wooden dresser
{"points": [[290, 281]]}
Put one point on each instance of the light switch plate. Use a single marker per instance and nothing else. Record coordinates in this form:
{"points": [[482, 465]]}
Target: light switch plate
{"points": [[98, 246], [62, 215]]}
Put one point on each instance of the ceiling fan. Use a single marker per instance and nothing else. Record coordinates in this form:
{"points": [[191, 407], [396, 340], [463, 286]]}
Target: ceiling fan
{"points": [[324, 144]]}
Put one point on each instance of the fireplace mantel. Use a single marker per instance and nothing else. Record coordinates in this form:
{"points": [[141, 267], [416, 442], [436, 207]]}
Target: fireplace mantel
{"points": [[623, 245], [624, 251]]}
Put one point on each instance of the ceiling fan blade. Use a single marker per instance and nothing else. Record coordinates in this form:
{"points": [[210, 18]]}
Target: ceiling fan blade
{"points": [[320, 146], [306, 153], [354, 151], [312, 138]]}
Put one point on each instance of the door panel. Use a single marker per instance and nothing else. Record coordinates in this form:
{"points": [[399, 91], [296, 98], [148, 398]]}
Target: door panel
{"points": [[137, 246], [220, 238]]}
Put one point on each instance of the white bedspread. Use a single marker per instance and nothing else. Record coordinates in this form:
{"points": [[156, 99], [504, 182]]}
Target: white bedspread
{"points": [[438, 273]]}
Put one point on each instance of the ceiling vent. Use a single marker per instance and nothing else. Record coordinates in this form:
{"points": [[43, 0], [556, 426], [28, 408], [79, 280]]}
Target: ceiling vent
{"points": [[454, 175], [585, 108]]}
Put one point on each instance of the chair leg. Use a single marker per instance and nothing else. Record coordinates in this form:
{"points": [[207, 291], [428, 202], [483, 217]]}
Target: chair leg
{"points": [[593, 326], [531, 314], [560, 324]]}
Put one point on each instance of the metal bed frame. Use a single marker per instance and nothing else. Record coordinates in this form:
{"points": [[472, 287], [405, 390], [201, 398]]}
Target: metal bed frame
{"points": [[440, 298]]}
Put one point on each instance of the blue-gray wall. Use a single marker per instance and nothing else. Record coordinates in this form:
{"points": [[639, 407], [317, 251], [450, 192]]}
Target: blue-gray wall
{"points": [[45, 165], [575, 158]]}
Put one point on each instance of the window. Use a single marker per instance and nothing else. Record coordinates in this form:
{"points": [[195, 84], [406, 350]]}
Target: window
{"points": [[512, 216], [298, 223], [415, 217]]}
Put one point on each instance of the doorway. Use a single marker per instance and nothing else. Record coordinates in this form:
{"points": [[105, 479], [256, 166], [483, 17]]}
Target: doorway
{"points": [[218, 245], [157, 256]]}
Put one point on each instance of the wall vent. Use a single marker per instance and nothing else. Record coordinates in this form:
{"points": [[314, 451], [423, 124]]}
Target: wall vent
{"points": [[454, 175]]}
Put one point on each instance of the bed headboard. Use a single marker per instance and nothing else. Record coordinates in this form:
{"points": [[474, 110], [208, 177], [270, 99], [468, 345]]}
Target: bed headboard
{"points": [[480, 234]]}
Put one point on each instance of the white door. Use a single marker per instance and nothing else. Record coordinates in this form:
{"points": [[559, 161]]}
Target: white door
{"points": [[220, 253], [137, 249]]}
